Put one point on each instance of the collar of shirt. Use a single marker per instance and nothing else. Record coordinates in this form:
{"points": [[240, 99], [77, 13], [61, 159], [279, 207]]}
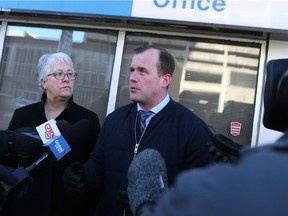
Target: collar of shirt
{"points": [[158, 107]]}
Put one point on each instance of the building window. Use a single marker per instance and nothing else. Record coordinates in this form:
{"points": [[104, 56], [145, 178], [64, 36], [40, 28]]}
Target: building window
{"points": [[215, 79], [91, 51]]}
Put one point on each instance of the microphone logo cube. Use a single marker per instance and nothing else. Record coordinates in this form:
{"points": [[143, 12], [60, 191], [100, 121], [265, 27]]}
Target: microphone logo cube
{"points": [[49, 133], [48, 130], [59, 147]]}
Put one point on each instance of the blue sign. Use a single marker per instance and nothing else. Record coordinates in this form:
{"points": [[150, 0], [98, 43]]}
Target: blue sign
{"points": [[100, 7], [59, 147], [269, 13]]}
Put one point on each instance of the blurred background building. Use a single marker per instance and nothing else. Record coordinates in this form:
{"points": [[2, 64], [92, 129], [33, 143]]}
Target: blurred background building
{"points": [[221, 55]]}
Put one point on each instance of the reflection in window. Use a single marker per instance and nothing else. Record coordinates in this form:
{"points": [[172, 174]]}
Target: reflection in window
{"points": [[215, 80], [92, 54]]}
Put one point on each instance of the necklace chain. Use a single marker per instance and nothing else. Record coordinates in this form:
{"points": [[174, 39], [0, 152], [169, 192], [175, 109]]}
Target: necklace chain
{"points": [[135, 135]]}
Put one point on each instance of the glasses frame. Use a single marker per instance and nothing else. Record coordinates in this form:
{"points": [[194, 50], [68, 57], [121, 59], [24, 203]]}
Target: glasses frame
{"points": [[70, 75]]}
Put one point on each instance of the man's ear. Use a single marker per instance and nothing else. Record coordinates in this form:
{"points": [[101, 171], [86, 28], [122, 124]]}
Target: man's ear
{"points": [[166, 80]]}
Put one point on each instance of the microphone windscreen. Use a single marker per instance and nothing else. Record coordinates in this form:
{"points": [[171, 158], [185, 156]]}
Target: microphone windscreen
{"points": [[22, 142], [75, 133], [147, 178], [63, 125]]}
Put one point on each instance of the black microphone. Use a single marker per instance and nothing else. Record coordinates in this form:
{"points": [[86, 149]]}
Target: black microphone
{"points": [[222, 148], [62, 125], [6, 176], [24, 141], [147, 178], [72, 135]]}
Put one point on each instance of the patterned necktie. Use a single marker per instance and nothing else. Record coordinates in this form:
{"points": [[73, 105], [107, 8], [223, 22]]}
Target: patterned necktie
{"points": [[143, 116]]}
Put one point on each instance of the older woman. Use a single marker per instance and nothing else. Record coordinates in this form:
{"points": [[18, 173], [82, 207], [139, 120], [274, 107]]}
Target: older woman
{"points": [[46, 197]]}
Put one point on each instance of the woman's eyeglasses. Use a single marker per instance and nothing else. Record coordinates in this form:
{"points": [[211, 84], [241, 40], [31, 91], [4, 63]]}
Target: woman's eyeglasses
{"points": [[61, 75]]}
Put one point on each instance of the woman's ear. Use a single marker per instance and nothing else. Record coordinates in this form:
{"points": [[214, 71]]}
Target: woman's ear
{"points": [[43, 84]]}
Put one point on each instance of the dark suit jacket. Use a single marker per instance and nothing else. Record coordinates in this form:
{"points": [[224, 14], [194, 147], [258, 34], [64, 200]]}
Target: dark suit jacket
{"points": [[176, 132]]}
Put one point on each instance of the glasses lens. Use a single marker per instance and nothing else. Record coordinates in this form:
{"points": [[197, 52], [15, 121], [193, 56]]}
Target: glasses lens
{"points": [[59, 75], [71, 76]]}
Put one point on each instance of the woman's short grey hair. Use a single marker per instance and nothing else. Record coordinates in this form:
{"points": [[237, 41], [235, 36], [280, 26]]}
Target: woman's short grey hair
{"points": [[47, 61]]}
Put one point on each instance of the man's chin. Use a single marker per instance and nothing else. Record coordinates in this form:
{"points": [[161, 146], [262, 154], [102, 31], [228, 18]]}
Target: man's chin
{"points": [[135, 99]]}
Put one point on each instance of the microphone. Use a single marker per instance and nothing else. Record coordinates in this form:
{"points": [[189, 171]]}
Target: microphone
{"points": [[62, 125], [23, 141], [222, 148], [147, 179], [73, 135], [59, 145]]}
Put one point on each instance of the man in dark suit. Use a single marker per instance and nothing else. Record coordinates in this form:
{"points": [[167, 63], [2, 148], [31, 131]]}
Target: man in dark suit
{"points": [[172, 129]]}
